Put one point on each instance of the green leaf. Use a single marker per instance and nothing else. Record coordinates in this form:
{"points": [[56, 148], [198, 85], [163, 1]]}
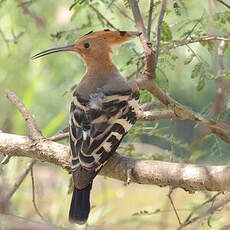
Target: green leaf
{"points": [[76, 4], [145, 97], [189, 59], [166, 33], [200, 84], [196, 70], [177, 8], [126, 3]]}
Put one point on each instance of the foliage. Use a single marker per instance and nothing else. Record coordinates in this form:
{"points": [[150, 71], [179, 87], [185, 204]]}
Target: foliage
{"points": [[187, 72]]}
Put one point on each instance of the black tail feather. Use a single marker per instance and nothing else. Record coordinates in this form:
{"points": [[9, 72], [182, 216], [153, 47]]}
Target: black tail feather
{"points": [[80, 205]]}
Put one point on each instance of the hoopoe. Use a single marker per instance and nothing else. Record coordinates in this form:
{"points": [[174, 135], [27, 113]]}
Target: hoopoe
{"points": [[103, 109]]}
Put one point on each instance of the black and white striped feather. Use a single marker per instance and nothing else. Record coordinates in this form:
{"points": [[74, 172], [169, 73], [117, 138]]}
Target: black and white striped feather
{"points": [[97, 126]]}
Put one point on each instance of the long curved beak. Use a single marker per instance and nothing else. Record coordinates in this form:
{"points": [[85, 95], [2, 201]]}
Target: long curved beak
{"points": [[53, 50]]}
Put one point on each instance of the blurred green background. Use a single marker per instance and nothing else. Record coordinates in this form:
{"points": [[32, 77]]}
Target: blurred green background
{"points": [[45, 87]]}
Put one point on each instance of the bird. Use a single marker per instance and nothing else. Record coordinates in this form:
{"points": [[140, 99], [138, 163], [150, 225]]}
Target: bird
{"points": [[104, 107]]}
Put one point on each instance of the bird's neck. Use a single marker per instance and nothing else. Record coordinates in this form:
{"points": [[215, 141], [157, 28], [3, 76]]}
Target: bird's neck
{"points": [[98, 73], [101, 66]]}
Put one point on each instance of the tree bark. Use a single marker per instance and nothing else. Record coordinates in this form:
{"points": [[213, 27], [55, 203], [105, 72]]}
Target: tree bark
{"points": [[186, 176]]}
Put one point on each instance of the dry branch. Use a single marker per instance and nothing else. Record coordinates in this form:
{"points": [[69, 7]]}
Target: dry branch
{"points": [[158, 37], [186, 176], [147, 82], [26, 10], [33, 128], [187, 220], [191, 39], [20, 179], [224, 3], [33, 195], [208, 212], [15, 222], [151, 5], [220, 91], [35, 134]]}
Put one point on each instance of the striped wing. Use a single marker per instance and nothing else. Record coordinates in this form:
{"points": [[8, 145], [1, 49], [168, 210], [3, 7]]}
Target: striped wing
{"points": [[98, 125]]}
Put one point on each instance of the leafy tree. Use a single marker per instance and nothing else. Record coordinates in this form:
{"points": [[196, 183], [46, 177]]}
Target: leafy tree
{"points": [[184, 99]]}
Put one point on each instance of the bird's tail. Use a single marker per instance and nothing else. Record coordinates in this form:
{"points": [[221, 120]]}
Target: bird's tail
{"points": [[80, 205]]}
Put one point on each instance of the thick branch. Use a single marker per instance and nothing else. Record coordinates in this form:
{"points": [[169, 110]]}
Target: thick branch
{"points": [[185, 176]]}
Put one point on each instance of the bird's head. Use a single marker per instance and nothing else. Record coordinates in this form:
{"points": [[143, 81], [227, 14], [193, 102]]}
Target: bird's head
{"points": [[94, 45]]}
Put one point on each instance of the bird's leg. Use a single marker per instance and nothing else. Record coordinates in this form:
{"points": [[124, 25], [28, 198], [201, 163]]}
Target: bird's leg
{"points": [[128, 176]]}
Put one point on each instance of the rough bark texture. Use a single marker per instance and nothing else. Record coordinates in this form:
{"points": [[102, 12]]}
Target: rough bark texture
{"points": [[186, 176]]}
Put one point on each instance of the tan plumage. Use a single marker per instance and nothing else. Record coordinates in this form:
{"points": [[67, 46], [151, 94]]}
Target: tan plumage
{"points": [[103, 109]]}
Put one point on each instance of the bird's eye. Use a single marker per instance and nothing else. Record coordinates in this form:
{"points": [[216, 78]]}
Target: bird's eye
{"points": [[86, 45]]}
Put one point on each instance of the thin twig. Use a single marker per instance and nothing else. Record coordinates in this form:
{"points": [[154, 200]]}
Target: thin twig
{"points": [[158, 37], [59, 136], [173, 205], [26, 10], [102, 16], [33, 128], [19, 181], [122, 12], [18, 222], [201, 205], [5, 160], [6, 41], [220, 91], [150, 18], [152, 105], [224, 3], [216, 206], [33, 194], [188, 40]]}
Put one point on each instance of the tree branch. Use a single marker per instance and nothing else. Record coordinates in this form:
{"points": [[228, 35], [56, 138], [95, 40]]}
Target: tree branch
{"points": [[149, 70], [206, 213], [18, 182], [26, 10], [151, 4], [158, 38], [33, 195], [191, 39], [147, 82], [16, 222], [31, 123], [157, 115], [186, 176], [220, 91], [195, 210], [224, 3]]}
